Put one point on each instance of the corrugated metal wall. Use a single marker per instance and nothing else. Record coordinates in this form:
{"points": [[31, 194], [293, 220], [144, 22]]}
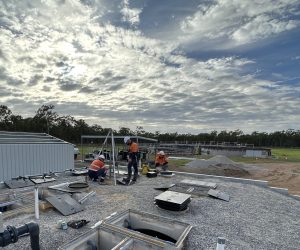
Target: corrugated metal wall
{"points": [[256, 153], [225, 152], [31, 159]]}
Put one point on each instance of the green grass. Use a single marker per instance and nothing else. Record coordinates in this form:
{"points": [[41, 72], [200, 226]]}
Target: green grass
{"points": [[278, 155], [292, 154]]}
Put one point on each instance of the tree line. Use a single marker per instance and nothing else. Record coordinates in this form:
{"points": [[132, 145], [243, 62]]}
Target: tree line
{"points": [[67, 128]]}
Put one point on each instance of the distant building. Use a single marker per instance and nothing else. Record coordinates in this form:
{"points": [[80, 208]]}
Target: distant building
{"points": [[237, 151], [227, 149]]}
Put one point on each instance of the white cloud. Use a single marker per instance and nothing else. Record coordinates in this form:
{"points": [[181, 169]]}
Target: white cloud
{"points": [[130, 15], [57, 52], [230, 23], [261, 27]]}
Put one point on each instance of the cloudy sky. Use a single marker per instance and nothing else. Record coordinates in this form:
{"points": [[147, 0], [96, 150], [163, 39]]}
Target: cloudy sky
{"points": [[167, 65]]}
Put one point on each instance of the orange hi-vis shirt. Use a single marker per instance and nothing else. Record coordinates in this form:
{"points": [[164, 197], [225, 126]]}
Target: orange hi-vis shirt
{"points": [[161, 159], [133, 148], [96, 165]]}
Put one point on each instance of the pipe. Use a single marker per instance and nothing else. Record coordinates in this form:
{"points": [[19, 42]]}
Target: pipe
{"points": [[220, 243], [36, 202], [127, 245], [12, 234], [83, 199]]}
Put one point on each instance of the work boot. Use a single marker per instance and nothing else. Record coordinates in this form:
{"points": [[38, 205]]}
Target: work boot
{"points": [[134, 178], [126, 180]]}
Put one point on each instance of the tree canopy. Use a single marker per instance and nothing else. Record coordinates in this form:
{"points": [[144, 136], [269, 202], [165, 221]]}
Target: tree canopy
{"points": [[46, 120]]}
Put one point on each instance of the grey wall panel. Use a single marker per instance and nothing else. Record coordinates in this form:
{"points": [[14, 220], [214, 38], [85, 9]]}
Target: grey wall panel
{"points": [[224, 152], [30, 159], [256, 153]]}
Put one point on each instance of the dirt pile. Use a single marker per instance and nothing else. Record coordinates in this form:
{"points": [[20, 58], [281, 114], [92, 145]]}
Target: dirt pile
{"points": [[218, 165]]}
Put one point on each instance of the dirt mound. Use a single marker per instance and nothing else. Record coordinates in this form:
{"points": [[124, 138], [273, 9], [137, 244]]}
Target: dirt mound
{"points": [[219, 160], [218, 165]]}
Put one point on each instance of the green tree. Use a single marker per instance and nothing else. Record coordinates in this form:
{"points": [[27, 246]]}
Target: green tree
{"points": [[5, 118]]}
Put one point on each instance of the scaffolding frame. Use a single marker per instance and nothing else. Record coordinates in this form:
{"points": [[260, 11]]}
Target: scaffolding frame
{"points": [[112, 137]]}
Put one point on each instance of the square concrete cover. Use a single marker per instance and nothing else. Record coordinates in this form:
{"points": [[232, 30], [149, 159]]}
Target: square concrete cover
{"points": [[173, 197], [65, 204]]}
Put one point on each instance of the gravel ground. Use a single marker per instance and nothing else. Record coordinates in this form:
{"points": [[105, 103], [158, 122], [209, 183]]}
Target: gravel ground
{"points": [[254, 218]]}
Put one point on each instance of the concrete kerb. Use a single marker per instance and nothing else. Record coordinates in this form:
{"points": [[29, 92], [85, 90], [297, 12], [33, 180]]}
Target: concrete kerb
{"points": [[297, 197], [284, 191], [226, 178]]}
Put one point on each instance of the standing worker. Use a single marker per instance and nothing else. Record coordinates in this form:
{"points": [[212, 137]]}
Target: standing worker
{"points": [[97, 169], [132, 159], [161, 160]]}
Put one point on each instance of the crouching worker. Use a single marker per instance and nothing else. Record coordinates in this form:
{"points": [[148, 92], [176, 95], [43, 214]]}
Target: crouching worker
{"points": [[161, 160], [97, 169]]}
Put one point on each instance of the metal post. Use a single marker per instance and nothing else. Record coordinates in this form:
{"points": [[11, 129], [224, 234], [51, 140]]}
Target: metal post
{"points": [[36, 202], [105, 141], [1, 223], [113, 156], [81, 150]]}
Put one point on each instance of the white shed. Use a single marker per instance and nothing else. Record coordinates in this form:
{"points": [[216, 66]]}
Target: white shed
{"points": [[258, 152], [24, 154]]}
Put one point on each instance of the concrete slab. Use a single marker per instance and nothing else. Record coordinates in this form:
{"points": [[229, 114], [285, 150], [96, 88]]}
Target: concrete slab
{"points": [[195, 191], [42, 180], [199, 183], [218, 194], [65, 204], [20, 183]]}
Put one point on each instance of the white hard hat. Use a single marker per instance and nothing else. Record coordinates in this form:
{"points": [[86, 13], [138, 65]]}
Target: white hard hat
{"points": [[101, 157], [161, 152], [126, 139]]}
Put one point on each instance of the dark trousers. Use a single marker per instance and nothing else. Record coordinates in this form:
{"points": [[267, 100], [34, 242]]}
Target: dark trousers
{"points": [[94, 175], [163, 166], [132, 163]]}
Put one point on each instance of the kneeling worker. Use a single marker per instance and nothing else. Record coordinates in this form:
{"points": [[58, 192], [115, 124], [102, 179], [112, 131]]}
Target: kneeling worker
{"points": [[161, 160], [97, 169]]}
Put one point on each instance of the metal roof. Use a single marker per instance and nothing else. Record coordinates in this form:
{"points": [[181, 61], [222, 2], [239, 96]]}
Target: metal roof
{"points": [[28, 138], [118, 137]]}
